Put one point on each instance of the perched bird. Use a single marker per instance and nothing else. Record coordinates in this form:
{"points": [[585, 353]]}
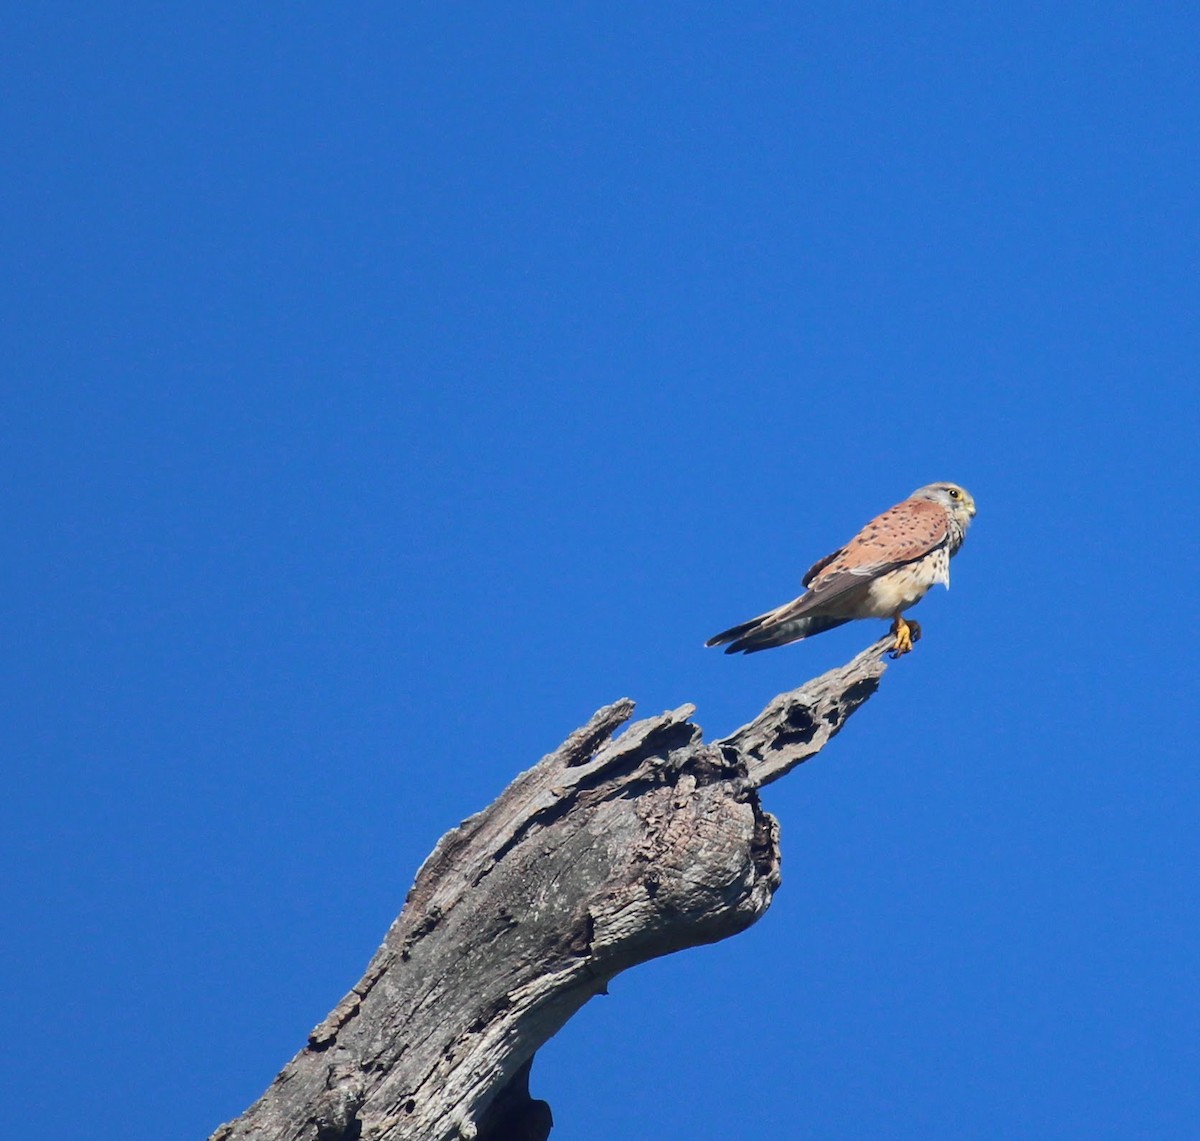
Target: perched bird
{"points": [[886, 568]]}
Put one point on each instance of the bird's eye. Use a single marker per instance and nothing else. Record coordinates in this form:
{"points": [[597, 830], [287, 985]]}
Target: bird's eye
{"points": [[954, 492]]}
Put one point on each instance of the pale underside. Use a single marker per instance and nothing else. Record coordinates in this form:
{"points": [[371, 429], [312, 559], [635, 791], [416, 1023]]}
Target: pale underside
{"points": [[891, 592]]}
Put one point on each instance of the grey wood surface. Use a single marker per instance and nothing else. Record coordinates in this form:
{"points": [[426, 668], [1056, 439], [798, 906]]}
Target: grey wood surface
{"points": [[612, 850]]}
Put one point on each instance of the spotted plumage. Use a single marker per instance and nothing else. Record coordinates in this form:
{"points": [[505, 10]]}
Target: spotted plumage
{"points": [[886, 568]]}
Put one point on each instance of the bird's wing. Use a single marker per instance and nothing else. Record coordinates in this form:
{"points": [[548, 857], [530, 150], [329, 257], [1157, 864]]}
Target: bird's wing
{"points": [[819, 566], [901, 535]]}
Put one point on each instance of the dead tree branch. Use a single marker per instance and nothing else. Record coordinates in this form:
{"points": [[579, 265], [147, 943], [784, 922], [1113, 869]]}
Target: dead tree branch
{"points": [[609, 852]]}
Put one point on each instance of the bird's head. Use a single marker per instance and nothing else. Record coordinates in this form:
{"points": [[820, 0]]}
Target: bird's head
{"points": [[957, 500]]}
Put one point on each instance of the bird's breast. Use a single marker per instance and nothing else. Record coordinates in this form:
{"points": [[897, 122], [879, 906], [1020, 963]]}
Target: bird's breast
{"points": [[901, 588]]}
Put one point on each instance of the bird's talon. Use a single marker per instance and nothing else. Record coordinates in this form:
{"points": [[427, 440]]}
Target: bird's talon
{"points": [[906, 633]]}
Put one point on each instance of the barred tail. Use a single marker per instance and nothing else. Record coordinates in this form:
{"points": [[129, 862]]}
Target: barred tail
{"points": [[757, 634]]}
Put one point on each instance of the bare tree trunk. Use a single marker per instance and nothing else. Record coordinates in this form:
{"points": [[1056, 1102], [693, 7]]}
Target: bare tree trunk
{"points": [[607, 853]]}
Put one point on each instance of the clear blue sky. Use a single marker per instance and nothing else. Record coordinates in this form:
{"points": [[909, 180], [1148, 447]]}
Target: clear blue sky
{"points": [[387, 387]]}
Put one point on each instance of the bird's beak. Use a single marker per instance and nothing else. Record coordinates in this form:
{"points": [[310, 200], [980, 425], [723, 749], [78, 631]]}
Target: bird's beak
{"points": [[971, 509]]}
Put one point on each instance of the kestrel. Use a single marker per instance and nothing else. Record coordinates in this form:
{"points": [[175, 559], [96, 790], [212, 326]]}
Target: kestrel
{"points": [[886, 568]]}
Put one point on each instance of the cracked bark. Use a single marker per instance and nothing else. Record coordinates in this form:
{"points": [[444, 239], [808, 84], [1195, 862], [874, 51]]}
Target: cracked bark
{"points": [[609, 852]]}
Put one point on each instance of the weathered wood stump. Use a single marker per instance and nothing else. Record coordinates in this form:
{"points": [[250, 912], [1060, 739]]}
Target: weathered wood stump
{"points": [[608, 852]]}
